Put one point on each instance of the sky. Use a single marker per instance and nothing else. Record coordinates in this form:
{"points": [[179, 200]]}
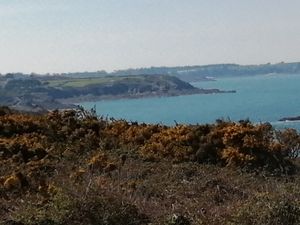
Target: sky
{"points": [[53, 36]]}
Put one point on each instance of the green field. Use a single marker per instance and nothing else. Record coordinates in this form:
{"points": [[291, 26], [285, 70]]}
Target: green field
{"points": [[82, 82]]}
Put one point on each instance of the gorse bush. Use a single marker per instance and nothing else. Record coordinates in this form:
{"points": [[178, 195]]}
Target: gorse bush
{"points": [[77, 152], [72, 134], [233, 144], [254, 146], [290, 142], [174, 142]]}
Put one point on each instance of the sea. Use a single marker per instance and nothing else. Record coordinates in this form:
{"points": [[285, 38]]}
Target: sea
{"points": [[261, 98]]}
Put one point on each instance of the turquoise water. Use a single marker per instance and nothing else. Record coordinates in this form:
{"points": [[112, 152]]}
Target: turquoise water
{"points": [[260, 98]]}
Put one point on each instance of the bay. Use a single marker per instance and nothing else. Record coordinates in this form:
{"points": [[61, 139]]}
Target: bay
{"points": [[264, 98]]}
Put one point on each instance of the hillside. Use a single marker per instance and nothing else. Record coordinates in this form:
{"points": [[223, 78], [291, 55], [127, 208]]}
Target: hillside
{"points": [[187, 73], [112, 87], [198, 72], [40, 93], [71, 167]]}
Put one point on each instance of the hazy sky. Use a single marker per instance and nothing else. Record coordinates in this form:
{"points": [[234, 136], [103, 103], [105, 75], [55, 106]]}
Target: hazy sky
{"points": [[88, 35]]}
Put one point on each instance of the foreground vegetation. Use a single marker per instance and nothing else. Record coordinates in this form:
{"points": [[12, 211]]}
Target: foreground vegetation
{"points": [[72, 167]]}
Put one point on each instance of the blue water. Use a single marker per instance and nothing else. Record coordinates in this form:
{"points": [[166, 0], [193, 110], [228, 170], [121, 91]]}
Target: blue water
{"points": [[260, 98]]}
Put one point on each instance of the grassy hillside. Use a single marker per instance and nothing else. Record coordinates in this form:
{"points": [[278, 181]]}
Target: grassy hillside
{"points": [[71, 167], [81, 82], [31, 93]]}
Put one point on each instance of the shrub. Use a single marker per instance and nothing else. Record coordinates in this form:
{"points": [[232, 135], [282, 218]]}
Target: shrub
{"points": [[65, 209], [254, 147], [290, 142], [268, 210]]}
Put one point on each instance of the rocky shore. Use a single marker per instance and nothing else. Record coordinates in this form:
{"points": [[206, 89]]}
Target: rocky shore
{"points": [[292, 118]]}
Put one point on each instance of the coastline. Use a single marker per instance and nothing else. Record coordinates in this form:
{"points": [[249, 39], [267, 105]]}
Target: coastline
{"points": [[93, 98], [290, 119]]}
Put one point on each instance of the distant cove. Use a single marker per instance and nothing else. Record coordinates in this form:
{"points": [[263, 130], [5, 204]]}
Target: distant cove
{"points": [[260, 98]]}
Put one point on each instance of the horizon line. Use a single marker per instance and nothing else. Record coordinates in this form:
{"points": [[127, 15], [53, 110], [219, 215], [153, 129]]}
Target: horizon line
{"points": [[148, 67]]}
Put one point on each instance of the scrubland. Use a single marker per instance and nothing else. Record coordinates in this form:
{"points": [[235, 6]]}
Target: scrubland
{"points": [[72, 167]]}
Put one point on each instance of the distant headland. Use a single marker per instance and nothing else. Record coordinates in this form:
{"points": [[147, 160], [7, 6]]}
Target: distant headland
{"points": [[42, 93], [292, 118], [36, 92]]}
